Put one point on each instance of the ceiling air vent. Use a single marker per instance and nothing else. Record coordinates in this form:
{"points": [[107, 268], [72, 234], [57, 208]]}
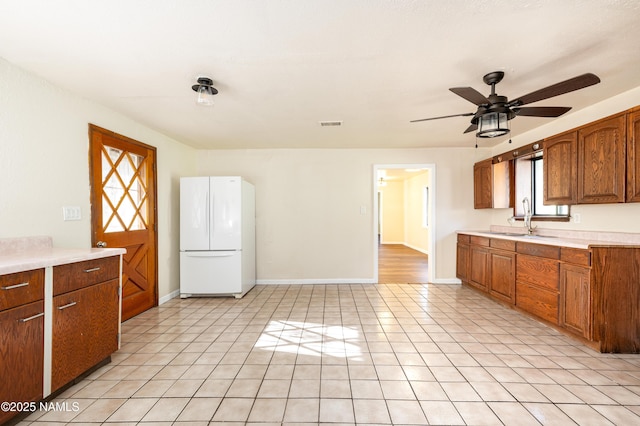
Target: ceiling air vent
{"points": [[330, 123]]}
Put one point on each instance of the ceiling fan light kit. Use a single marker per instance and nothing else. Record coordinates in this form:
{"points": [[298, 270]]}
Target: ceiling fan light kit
{"points": [[491, 119], [493, 125], [205, 91]]}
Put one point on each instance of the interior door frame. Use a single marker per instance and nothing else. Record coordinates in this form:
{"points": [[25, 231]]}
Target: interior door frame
{"points": [[432, 214], [154, 208]]}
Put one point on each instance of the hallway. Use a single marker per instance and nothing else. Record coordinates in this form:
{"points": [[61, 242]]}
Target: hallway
{"points": [[399, 264]]}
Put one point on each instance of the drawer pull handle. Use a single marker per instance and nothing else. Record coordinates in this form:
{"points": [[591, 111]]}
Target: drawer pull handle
{"points": [[41, 314], [68, 305], [11, 287], [92, 269]]}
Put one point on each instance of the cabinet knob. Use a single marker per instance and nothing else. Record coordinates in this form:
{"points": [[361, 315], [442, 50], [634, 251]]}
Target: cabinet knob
{"points": [[101, 244]]}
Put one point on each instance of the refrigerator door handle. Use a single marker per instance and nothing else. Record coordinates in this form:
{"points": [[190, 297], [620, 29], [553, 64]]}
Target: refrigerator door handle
{"points": [[211, 253], [208, 207]]}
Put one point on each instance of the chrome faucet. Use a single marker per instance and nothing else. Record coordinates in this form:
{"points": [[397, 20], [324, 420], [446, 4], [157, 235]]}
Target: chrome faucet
{"points": [[526, 205]]}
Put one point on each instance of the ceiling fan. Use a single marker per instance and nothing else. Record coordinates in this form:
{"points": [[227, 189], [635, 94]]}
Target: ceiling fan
{"points": [[494, 111]]}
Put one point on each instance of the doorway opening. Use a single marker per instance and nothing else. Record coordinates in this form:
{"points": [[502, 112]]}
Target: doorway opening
{"points": [[404, 223]]}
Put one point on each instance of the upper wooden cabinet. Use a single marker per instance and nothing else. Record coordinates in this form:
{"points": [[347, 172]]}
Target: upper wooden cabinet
{"points": [[633, 155], [560, 178], [492, 184], [482, 185], [601, 161]]}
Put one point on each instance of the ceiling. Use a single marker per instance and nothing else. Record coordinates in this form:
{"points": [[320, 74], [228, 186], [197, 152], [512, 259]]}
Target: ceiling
{"points": [[282, 66]]}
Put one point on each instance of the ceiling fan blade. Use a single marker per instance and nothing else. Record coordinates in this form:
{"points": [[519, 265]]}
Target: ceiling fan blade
{"points": [[541, 111], [575, 83], [471, 128], [468, 114], [470, 94]]}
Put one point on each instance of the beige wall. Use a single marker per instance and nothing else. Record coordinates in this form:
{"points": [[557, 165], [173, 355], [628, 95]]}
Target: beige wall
{"points": [[44, 166], [309, 202], [393, 211]]}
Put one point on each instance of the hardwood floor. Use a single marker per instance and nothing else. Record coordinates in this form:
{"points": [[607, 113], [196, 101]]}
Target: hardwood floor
{"points": [[398, 264]]}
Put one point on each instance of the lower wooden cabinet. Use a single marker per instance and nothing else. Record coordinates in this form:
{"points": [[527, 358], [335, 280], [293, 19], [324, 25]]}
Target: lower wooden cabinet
{"points": [[537, 286], [462, 261], [479, 267], [591, 293], [85, 330], [502, 276], [575, 290], [21, 355]]}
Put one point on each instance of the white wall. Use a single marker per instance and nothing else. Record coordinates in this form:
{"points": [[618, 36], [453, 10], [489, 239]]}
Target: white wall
{"points": [[594, 217], [308, 204], [44, 165]]}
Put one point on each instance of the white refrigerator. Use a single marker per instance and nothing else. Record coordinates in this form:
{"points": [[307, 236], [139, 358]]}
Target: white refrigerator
{"points": [[217, 236]]}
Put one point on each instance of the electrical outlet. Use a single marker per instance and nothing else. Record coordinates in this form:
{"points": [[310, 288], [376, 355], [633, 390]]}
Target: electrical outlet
{"points": [[71, 213], [577, 217]]}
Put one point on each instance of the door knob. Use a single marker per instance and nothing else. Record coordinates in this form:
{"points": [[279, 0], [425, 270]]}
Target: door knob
{"points": [[101, 244]]}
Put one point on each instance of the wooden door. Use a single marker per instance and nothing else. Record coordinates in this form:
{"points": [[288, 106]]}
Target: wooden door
{"points": [[123, 212]]}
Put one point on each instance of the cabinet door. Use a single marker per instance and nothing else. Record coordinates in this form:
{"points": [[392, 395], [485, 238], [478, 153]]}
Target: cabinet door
{"points": [[502, 272], [559, 180], [22, 355], [479, 266], [575, 302], [482, 185], [633, 156], [462, 262], [85, 330], [601, 161]]}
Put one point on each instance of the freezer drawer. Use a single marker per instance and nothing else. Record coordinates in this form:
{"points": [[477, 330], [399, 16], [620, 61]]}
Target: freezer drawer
{"points": [[210, 272]]}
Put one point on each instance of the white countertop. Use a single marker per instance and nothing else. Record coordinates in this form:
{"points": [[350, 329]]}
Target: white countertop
{"points": [[574, 239], [25, 254]]}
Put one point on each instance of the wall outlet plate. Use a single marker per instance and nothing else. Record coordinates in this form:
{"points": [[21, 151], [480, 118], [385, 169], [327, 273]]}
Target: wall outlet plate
{"points": [[71, 213]]}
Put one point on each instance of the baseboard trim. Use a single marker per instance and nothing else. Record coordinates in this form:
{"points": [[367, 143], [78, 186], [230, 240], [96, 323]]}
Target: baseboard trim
{"points": [[318, 281], [421, 250], [172, 295], [447, 281]]}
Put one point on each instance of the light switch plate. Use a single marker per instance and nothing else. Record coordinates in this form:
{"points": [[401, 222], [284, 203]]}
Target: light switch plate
{"points": [[71, 213]]}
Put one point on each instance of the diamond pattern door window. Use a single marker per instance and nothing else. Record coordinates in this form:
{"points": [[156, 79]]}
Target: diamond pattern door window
{"points": [[124, 193]]}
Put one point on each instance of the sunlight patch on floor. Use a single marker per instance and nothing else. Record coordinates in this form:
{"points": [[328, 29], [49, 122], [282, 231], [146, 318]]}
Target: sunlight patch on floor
{"points": [[312, 339]]}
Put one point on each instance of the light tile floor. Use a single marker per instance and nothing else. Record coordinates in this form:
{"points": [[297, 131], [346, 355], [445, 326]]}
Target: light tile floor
{"points": [[351, 354]]}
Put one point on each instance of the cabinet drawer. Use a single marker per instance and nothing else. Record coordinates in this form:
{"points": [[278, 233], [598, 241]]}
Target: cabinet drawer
{"points": [[575, 256], [508, 245], [463, 239], [479, 241], [538, 301], [541, 272], [541, 250], [21, 288], [77, 275]]}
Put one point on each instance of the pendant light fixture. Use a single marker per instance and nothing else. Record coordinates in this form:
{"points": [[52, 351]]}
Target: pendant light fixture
{"points": [[205, 91]]}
